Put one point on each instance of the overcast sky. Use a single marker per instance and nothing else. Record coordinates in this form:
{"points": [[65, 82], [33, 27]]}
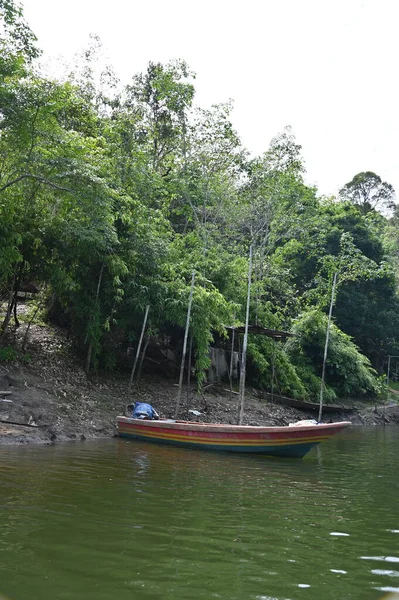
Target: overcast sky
{"points": [[327, 68]]}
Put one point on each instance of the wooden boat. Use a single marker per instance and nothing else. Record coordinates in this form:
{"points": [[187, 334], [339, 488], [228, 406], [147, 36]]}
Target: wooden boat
{"points": [[291, 441]]}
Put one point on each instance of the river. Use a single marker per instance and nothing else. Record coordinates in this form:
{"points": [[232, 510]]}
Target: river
{"points": [[122, 519]]}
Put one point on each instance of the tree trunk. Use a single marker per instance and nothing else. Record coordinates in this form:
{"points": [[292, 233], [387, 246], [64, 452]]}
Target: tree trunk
{"points": [[11, 300], [33, 318], [9, 310]]}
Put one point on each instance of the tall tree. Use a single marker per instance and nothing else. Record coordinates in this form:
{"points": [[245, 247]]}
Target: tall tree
{"points": [[368, 192], [161, 98]]}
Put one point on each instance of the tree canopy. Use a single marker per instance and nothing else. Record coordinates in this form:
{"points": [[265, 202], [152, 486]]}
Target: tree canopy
{"points": [[368, 192]]}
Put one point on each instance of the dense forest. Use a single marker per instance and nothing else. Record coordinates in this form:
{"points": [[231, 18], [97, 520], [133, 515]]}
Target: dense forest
{"points": [[111, 196]]}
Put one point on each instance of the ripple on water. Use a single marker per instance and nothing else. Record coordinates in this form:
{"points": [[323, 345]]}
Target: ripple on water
{"points": [[267, 598], [393, 559]]}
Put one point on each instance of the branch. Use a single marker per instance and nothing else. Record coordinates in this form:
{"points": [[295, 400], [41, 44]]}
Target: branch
{"points": [[37, 178]]}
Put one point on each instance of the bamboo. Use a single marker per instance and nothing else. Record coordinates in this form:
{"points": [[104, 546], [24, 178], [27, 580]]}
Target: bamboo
{"points": [[183, 358], [90, 348], [129, 389], [142, 357], [388, 373], [389, 368], [273, 369], [244, 346], [323, 373], [231, 363], [190, 348]]}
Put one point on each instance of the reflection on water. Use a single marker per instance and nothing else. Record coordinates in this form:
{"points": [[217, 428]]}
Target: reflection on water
{"points": [[118, 518]]}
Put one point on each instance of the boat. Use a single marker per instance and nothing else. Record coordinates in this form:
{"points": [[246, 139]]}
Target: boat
{"points": [[287, 441]]}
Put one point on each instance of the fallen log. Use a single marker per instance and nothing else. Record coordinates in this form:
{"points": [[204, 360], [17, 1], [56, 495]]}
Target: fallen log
{"points": [[303, 405], [7, 422]]}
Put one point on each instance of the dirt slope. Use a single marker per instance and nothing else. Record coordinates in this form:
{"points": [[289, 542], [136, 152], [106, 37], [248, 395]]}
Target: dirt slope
{"points": [[52, 392]]}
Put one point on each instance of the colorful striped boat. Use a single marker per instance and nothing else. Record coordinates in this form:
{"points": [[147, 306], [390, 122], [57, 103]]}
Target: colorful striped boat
{"points": [[273, 441]]}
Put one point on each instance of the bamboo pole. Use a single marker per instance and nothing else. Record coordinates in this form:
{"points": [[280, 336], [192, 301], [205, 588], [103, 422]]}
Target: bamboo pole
{"points": [[273, 368], [244, 347], [190, 348], [183, 358], [147, 341], [90, 349], [323, 373], [129, 389], [388, 373], [231, 362]]}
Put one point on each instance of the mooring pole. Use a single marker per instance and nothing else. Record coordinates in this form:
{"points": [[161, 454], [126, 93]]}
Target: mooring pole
{"points": [[183, 358], [190, 348], [388, 375], [323, 373], [241, 393], [231, 362], [129, 389], [273, 368]]}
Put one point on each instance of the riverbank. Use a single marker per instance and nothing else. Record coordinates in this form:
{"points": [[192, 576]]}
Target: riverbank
{"points": [[50, 399]]}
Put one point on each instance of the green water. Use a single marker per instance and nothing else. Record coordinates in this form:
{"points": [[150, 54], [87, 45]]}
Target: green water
{"points": [[128, 520]]}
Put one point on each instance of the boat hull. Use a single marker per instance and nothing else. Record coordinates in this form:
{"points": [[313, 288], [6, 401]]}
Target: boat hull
{"points": [[292, 442]]}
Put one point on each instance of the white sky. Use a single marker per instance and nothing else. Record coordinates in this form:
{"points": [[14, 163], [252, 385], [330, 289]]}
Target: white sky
{"points": [[327, 68]]}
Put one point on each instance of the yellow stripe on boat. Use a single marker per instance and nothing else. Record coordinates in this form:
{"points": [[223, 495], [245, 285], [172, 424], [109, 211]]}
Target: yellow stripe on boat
{"points": [[221, 441]]}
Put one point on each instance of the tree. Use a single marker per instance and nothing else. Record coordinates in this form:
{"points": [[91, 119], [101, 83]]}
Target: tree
{"points": [[161, 98], [368, 192], [17, 40]]}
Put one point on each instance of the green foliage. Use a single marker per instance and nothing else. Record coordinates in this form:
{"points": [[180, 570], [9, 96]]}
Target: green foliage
{"points": [[110, 199], [8, 354], [368, 192], [349, 373], [210, 311], [264, 354]]}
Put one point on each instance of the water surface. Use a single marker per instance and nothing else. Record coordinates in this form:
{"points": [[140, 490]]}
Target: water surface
{"points": [[123, 519]]}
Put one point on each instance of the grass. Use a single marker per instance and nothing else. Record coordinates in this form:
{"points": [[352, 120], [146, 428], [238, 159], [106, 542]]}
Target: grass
{"points": [[8, 354]]}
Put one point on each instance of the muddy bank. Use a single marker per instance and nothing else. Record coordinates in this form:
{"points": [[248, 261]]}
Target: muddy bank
{"points": [[51, 399]]}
